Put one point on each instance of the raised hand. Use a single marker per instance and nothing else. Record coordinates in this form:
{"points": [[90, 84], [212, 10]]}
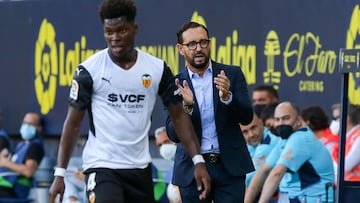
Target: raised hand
{"points": [[185, 91], [223, 85]]}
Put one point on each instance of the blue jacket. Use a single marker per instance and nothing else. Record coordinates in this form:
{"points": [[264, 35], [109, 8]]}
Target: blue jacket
{"points": [[233, 149], [20, 184]]}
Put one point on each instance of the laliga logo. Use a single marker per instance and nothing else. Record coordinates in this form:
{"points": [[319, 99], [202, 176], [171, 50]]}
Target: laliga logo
{"points": [[352, 41], [55, 65], [46, 67]]}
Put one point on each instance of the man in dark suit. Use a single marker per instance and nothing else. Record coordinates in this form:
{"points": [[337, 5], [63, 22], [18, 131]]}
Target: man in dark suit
{"points": [[215, 96]]}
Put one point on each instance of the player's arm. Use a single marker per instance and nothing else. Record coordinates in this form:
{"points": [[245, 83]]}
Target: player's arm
{"points": [[71, 130], [80, 99], [272, 183], [184, 129], [68, 139]]}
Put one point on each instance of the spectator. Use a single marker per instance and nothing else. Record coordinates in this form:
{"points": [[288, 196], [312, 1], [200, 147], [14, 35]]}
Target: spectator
{"points": [[24, 161], [316, 118], [215, 96], [267, 116], [265, 97], [352, 145], [264, 94], [118, 87], [335, 122], [167, 150], [260, 142], [293, 164]]}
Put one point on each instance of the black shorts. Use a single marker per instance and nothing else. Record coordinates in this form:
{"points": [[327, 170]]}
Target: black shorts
{"points": [[105, 185]]}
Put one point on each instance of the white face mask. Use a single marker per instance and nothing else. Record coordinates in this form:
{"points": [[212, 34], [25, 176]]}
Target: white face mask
{"points": [[335, 127], [167, 151]]}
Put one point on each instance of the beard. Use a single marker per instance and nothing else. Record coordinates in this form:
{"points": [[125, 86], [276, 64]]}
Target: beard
{"points": [[200, 65]]}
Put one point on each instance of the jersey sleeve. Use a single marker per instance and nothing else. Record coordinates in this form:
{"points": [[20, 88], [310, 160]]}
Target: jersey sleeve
{"points": [[81, 89], [167, 88], [295, 152], [35, 151], [274, 155]]}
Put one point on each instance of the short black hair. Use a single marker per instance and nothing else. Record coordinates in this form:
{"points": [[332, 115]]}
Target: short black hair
{"points": [[117, 8], [268, 88], [318, 120], [187, 26], [268, 111]]}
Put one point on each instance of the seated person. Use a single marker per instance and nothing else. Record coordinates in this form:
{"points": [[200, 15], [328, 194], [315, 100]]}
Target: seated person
{"points": [[260, 141], [24, 161], [267, 116], [299, 164], [316, 118]]}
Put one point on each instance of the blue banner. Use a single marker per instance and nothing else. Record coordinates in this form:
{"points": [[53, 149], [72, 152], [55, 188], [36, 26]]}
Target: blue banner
{"points": [[293, 45]]}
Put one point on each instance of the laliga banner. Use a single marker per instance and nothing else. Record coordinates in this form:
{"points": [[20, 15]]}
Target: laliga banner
{"points": [[293, 45]]}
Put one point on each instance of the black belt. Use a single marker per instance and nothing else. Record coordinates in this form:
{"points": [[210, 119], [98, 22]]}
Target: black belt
{"points": [[212, 157]]}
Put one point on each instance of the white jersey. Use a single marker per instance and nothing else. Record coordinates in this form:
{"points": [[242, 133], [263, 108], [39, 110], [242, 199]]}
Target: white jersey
{"points": [[120, 103]]}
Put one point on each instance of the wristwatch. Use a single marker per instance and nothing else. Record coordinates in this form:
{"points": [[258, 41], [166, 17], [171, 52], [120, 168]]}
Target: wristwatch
{"points": [[188, 107]]}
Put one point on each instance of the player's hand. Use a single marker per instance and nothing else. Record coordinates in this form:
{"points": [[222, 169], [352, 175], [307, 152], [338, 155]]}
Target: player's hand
{"points": [[202, 179], [57, 187]]}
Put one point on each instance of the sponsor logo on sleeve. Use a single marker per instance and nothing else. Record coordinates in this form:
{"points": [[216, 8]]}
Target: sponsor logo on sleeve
{"points": [[74, 91]]}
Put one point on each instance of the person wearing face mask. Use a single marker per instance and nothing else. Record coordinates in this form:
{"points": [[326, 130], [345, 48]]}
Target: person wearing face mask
{"points": [[299, 164], [335, 123], [167, 150], [24, 161]]}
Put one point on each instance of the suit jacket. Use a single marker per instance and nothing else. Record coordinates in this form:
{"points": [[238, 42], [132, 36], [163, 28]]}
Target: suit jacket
{"points": [[233, 150]]}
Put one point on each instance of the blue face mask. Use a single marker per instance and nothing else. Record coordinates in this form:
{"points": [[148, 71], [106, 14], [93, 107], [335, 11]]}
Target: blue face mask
{"points": [[27, 131]]}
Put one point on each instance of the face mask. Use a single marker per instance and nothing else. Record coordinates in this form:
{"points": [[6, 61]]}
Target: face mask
{"points": [[167, 151], [283, 131], [258, 108], [335, 127], [27, 131]]}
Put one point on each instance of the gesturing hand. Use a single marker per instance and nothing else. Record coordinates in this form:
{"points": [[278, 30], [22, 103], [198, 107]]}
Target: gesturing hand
{"points": [[185, 91], [223, 85]]}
